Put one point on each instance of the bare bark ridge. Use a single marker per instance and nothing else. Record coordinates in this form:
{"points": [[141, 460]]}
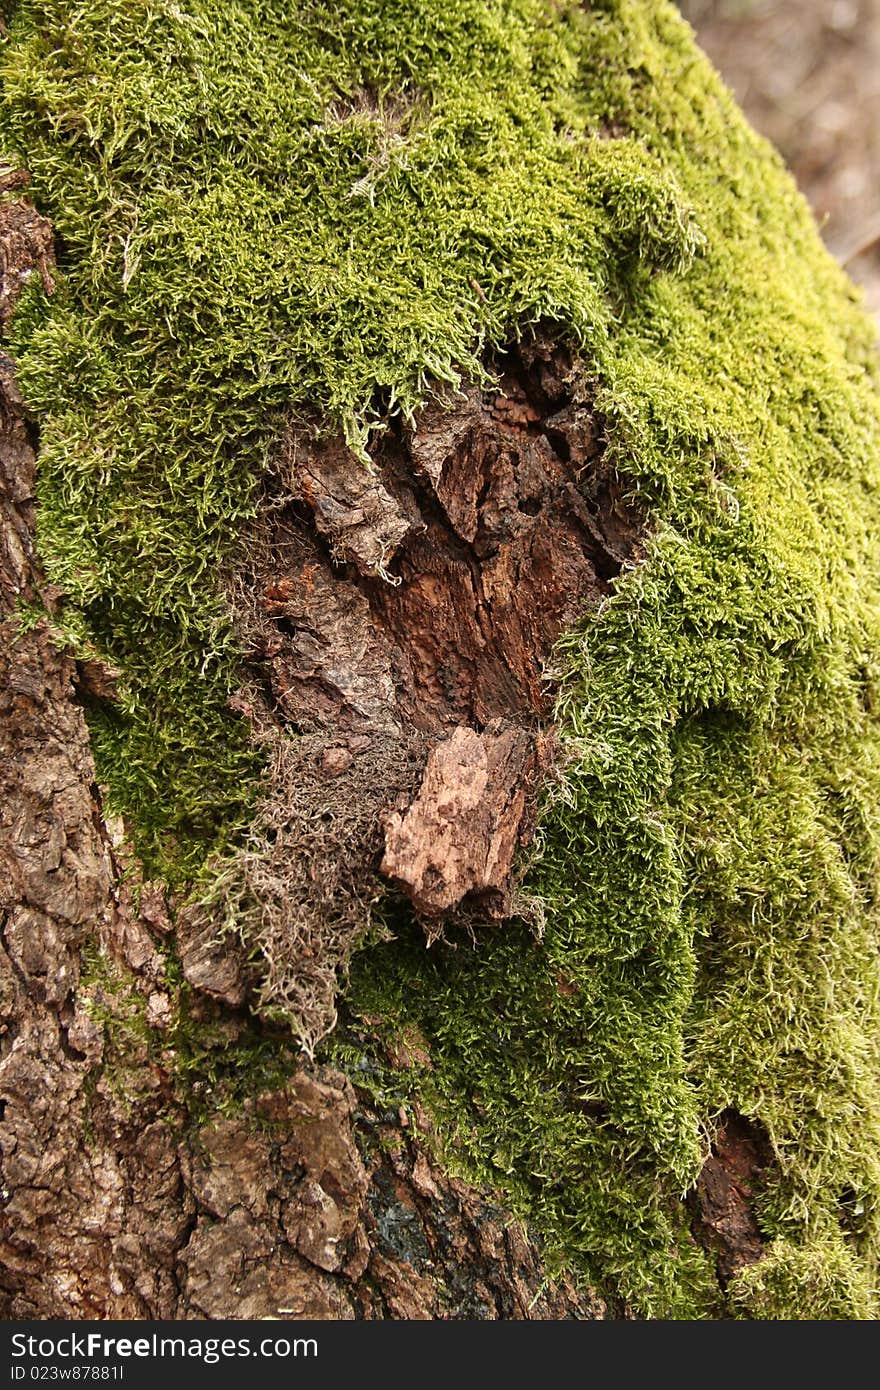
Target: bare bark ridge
{"points": [[352, 509], [118, 1198], [76, 1186], [402, 617]]}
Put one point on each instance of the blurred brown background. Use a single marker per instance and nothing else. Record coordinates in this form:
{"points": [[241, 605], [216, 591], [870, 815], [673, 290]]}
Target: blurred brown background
{"points": [[807, 73]]}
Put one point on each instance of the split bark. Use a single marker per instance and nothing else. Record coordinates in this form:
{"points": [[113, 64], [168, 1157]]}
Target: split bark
{"points": [[400, 621]]}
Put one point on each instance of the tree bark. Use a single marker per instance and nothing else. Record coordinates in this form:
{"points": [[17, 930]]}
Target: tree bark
{"points": [[170, 1147], [128, 1202]]}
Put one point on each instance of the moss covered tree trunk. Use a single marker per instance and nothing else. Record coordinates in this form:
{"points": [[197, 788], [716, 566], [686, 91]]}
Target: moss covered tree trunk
{"points": [[440, 623], [121, 1197]]}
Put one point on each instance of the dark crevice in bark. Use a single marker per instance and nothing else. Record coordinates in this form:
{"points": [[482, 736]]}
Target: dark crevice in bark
{"points": [[853, 1217], [424, 596], [400, 619]]}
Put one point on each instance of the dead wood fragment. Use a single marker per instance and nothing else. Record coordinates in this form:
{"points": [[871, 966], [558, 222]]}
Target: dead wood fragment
{"points": [[358, 516], [457, 841]]}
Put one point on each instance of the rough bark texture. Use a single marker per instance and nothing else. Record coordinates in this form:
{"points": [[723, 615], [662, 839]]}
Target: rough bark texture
{"points": [[401, 620], [405, 636], [120, 1196], [724, 1219]]}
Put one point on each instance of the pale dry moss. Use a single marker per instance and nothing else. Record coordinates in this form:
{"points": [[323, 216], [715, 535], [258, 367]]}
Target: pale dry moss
{"points": [[710, 879], [299, 892], [299, 889]]}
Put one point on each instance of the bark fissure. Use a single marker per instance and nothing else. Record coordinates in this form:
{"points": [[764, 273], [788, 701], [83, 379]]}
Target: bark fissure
{"points": [[402, 618], [722, 1204]]}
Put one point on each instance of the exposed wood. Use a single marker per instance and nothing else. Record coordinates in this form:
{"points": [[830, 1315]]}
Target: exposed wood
{"points": [[457, 841], [429, 601]]}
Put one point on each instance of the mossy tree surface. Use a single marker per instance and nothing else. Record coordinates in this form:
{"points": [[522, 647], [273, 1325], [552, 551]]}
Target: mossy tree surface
{"points": [[334, 209]]}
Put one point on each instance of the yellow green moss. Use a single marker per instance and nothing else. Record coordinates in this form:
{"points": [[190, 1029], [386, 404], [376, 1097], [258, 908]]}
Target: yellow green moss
{"points": [[262, 207]]}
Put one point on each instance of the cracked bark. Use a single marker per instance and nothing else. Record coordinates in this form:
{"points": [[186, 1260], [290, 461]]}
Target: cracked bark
{"points": [[127, 1202], [400, 618]]}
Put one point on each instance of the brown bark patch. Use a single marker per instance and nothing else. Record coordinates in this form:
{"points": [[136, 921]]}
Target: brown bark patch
{"points": [[312, 1203], [399, 620], [211, 963], [352, 509], [518, 527], [26, 246], [16, 493], [722, 1204]]}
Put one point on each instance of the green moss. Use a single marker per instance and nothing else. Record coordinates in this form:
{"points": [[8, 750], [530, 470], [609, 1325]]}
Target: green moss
{"points": [[263, 207], [256, 211], [211, 1064], [820, 1282]]}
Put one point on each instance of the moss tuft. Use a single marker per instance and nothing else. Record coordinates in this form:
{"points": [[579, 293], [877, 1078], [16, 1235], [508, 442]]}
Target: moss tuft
{"points": [[262, 208]]}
